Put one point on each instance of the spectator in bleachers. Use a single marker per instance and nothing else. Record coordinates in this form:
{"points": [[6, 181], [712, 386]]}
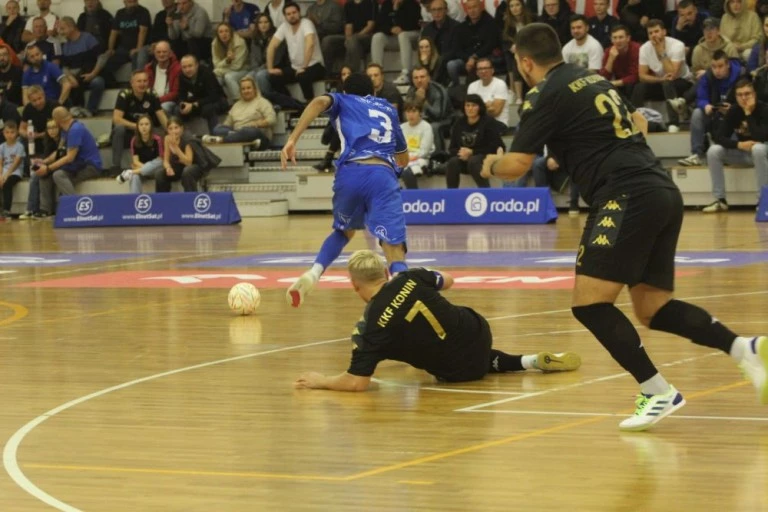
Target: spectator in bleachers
{"points": [[397, 26], [328, 18], [557, 14], [453, 9], [178, 160], [81, 162], [473, 137], [583, 50], [442, 31], [513, 19], [128, 37], [330, 137], [438, 111], [10, 77], [708, 45], [664, 73], [50, 46], [159, 29], [230, 59], [46, 74], [241, 16], [620, 61], [601, 25], [476, 37], [384, 89], [200, 94], [251, 118], [96, 21], [264, 32], [146, 155], [131, 103], [761, 7], [12, 26], [757, 58], [51, 20], [37, 112], [306, 59], [714, 95], [9, 112], [163, 73], [492, 90], [688, 26], [741, 26], [747, 121], [420, 139], [275, 9], [53, 147], [77, 59], [429, 57], [635, 14], [359, 26], [12, 157], [191, 28]]}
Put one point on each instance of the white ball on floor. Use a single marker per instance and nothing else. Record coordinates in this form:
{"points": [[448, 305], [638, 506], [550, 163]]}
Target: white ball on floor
{"points": [[244, 298]]}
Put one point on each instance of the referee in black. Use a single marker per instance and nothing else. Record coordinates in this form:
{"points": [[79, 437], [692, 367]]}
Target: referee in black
{"points": [[408, 320], [634, 219]]}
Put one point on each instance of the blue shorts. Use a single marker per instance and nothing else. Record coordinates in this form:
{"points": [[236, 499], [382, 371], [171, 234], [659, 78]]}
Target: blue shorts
{"points": [[368, 196]]}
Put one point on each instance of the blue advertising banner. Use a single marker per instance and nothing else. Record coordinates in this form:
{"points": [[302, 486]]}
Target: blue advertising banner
{"points": [[176, 208], [762, 206], [479, 206]]}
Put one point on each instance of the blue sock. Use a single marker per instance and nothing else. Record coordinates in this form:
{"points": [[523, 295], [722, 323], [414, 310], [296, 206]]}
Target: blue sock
{"points": [[397, 266], [331, 248]]}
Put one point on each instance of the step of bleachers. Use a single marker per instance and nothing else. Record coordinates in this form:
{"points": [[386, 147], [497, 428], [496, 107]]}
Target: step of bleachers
{"points": [[274, 156], [670, 145]]}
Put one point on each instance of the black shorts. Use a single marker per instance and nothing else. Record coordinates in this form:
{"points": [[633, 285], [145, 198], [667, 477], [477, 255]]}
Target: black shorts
{"points": [[477, 357], [632, 239]]}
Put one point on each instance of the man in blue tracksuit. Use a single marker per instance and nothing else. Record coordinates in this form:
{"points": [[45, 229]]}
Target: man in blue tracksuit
{"points": [[714, 94]]}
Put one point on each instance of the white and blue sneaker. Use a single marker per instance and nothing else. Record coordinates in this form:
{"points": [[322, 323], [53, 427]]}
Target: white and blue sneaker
{"points": [[755, 366], [650, 409]]}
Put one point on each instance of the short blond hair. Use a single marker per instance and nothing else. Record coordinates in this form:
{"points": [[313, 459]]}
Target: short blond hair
{"points": [[366, 267]]}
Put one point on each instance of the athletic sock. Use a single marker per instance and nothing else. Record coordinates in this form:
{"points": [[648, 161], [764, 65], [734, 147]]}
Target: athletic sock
{"points": [[502, 362], [694, 323], [656, 385], [331, 249], [396, 267], [529, 362], [619, 337]]}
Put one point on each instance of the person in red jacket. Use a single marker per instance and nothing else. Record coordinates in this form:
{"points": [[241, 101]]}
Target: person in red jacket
{"points": [[621, 61], [163, 73]]}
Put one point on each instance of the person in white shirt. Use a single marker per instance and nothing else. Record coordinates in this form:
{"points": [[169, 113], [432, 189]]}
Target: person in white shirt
{"points": [[51, 21], [493, 90], [663, 71], [306, 59], [421, 143], [583, 50]]}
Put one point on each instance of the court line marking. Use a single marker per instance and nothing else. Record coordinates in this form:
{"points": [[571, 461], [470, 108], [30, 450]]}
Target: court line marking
{"points": [[10, 451], [19, 312], [474, 408], [613, 414], [387, 383]]}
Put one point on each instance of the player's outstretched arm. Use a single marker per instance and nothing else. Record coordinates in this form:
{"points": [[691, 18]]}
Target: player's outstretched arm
{"points": [[316, 107], [507, 167], [641, 122], [342, 382]]}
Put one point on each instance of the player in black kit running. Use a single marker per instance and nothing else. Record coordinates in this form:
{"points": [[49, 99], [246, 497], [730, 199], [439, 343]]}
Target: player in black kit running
{"points": [[407, 319], [634, 221]]}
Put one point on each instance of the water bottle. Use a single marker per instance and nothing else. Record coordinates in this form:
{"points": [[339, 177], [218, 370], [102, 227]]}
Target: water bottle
{"points": [[30, 139]]}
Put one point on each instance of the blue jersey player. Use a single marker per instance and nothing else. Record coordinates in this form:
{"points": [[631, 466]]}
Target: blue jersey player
{"points": [[366, 192]]}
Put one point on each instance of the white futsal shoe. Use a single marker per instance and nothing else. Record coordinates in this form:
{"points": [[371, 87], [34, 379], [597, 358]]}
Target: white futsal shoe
{"points": [[300, 289], [755, 366], [651, 409]]}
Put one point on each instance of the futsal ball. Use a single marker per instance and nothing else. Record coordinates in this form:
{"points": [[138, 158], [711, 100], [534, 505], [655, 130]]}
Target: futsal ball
{"points": [[244, 298]]}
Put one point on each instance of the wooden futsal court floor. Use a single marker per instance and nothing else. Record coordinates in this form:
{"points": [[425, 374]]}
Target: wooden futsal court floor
{"points": [[127, 385]]}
